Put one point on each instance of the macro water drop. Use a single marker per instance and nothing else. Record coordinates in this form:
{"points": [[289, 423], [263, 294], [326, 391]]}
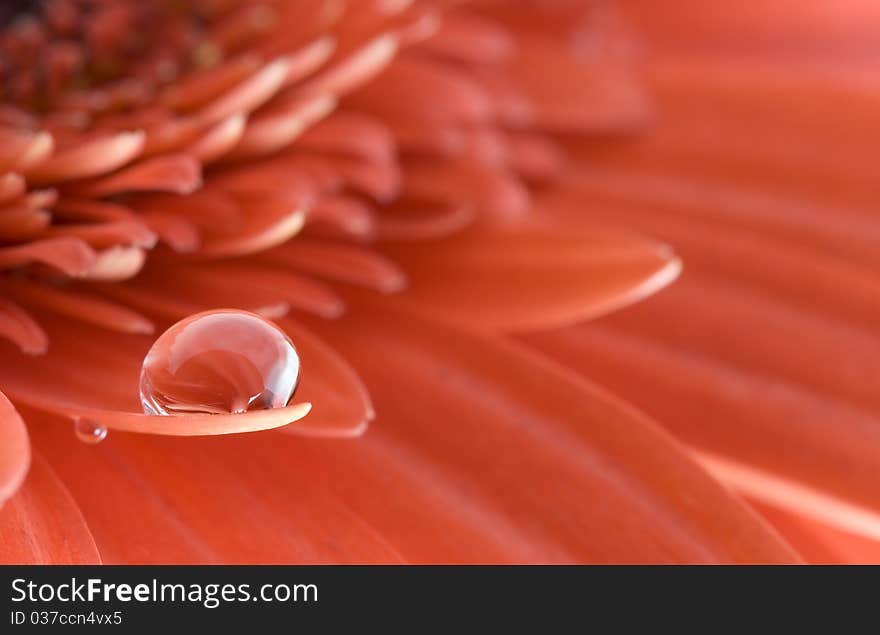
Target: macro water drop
{"points": [[224, 361], [88, 431]]}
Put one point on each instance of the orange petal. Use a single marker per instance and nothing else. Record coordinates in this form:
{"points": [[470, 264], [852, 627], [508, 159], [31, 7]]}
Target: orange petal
{"points": [[268, 221], [70, 255], [219, 140], [115, 362], [66, 397], [349, 133], [354, 70], [78, 305], [492, 438], [275, 130], [571, 93], [492, 192], [341, 403], [178, 173], [107, 234], [768, 422], [12, 186], [91, 158], [531, 277], [476, 439], [22, 150], [15, 450], [239, 504], [116, 263], [42, 524], [408, 220], [445, 93], [21, 223], [341, 262], [820, 543], [249, 94], [19, 327]]}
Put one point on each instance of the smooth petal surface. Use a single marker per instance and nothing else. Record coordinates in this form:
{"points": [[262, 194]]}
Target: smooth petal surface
{"points": [[514, 461], [203, 500], [15, 449], [764, 355], [341, 403], [531, 276], [42, 524], [527, 442]]}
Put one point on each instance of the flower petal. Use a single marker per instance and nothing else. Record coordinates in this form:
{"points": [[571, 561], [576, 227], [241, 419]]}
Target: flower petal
{"points": [[70, 255], [114, 364], [482, 454], [501, 438], [210, 500], [42, 524], [341, 403], [178, 173], [15, 450], [19, 327], [820, 543], [771, 424], [528, 277], [92, 158]]}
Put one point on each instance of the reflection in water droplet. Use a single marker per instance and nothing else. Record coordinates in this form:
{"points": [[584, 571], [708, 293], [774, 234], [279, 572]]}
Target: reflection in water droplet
{"points": [[218, 362], [88, 431]]}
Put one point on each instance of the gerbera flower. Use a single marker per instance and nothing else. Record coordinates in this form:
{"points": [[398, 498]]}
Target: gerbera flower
{"points": [[399, 186]]}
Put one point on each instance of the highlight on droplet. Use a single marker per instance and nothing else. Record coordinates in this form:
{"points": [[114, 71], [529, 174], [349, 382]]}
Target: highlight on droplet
{"points": [[89, 431]]}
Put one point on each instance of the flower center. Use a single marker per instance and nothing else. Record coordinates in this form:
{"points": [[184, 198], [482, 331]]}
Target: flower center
{"points": [[53, 51], [10, 10]]}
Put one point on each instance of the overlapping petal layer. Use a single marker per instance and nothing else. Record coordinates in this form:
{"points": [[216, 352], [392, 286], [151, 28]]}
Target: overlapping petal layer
{"points": [[481, 453], [429, 139], [763, 356]]}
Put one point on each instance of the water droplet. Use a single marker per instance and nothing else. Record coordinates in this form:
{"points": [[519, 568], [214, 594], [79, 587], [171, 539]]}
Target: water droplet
{"points": [[218, 362], [88, 431]]}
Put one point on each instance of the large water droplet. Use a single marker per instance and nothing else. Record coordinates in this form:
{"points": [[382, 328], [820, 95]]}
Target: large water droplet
{"points": [[218, 362], [88, 431]]}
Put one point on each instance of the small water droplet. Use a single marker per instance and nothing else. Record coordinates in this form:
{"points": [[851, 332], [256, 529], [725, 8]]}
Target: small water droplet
{"points": [[88, 431], [219, 362]]}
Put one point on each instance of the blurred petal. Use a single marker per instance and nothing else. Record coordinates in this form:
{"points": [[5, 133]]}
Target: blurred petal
{"points": [[42, 524], [15, 450]]}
